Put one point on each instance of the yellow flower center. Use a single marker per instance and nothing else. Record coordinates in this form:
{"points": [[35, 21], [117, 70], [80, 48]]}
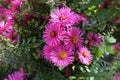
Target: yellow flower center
{"points": [[74, 39], [85, 54], [52, 33], [63, 55], [63, 17]]}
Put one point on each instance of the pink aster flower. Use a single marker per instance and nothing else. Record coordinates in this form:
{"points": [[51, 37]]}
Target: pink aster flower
{"points": [[15, 4], [17, 75], [9, 16], [84, 55], [2, 10], [117, 47], [64, 16], [8, 32], [108, 1], [105, 4], [94, 39], [62, 56], [12, 37], [117, 76], [4, 28], [118, 20], [67, 72], [2, 23], [73, 38], [81, 18], [8, 28], [7, 1], [47, 52], [52, 34]]}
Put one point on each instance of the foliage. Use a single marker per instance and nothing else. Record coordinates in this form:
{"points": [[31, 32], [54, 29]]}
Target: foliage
{"points": [[27, 52]]}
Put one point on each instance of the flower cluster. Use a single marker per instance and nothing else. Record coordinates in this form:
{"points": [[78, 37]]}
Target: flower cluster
{"points": [[94, 39], [118, 20], [105, 4], [77, 41], [7, 20], [117, 47], [63, 39], [117, 76], [17, 75]]}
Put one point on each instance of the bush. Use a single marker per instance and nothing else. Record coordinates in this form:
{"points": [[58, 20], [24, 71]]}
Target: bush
{"points": [[59, 39]]}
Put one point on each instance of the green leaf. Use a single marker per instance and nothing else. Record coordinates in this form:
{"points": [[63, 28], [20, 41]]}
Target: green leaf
{"points": [[100, 50], [110, 48], [91, 8], [72, 77], [110, 39]]}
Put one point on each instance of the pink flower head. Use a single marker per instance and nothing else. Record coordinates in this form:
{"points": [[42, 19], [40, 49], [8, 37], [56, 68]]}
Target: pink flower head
{"points": [[117, 5], [94, 39], [7, 1], [46, 17], [118, 20], [73, 38], [9, 16], [7, 31], [2, 10], [84, 56], [17, 75], [2, 24], [4, 28], [117, 47], [63, 16], [47, 52], [117, 76], [15, 4], [67, 72], [101, 5], [62, 56], [105, 4], [81, 18], [12, 37], [52, 34], [108, 1]]}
